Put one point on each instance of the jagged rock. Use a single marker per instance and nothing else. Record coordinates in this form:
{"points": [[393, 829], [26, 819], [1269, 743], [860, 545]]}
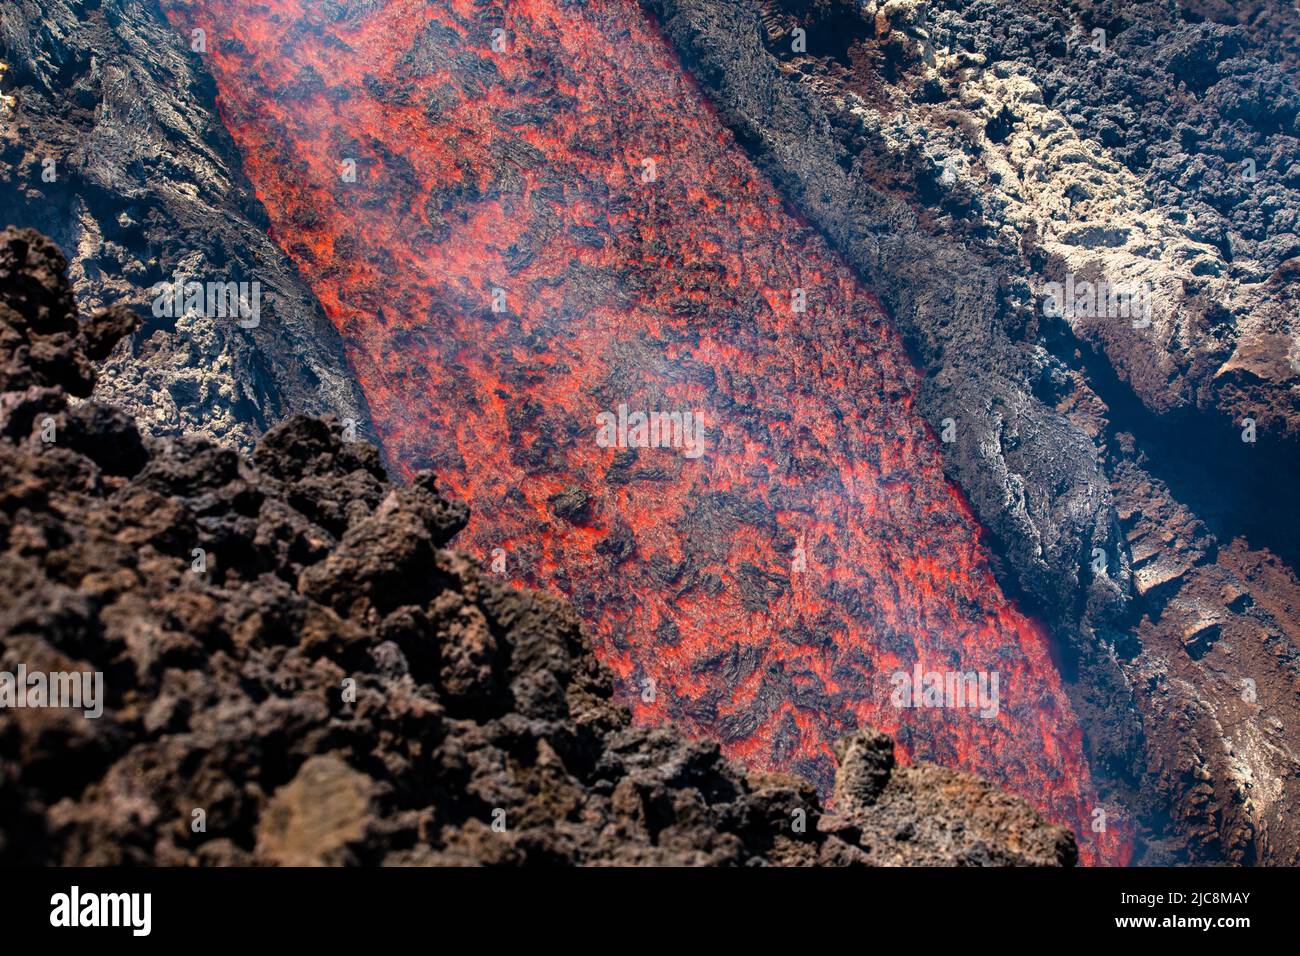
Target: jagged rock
{"points": [[866, 761], [316, 818]]}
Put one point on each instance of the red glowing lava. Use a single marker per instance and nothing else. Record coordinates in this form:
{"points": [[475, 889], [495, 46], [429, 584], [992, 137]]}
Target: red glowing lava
{"points": [[548, 222]]}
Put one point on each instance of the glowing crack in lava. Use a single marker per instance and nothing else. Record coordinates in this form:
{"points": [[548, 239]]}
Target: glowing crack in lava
{"points": [[547, 222]]}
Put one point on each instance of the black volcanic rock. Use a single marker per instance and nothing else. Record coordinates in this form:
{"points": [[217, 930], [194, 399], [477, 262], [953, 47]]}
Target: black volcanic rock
{"points": [[296, 671]]}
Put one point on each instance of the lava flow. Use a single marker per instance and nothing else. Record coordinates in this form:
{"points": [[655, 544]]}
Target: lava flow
{"points": [[547, 222]]}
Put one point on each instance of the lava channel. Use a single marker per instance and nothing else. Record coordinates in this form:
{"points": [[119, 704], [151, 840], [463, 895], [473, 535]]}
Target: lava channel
{"points": [[523, 215]]}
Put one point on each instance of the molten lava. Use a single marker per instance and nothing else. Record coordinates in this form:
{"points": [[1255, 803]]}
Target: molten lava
{"points": [[547, 222]]}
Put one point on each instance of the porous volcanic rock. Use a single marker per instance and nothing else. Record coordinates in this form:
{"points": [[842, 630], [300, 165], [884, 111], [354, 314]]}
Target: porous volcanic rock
{"points": [[297, 671]]}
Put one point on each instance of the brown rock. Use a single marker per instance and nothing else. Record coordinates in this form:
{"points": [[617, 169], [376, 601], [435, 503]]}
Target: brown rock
{"points": [[319, 818]]}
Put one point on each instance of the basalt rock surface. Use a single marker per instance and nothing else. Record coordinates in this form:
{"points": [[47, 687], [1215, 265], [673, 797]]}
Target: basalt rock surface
{"points": [[113, 147], [298, 671], [963, 155]]}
